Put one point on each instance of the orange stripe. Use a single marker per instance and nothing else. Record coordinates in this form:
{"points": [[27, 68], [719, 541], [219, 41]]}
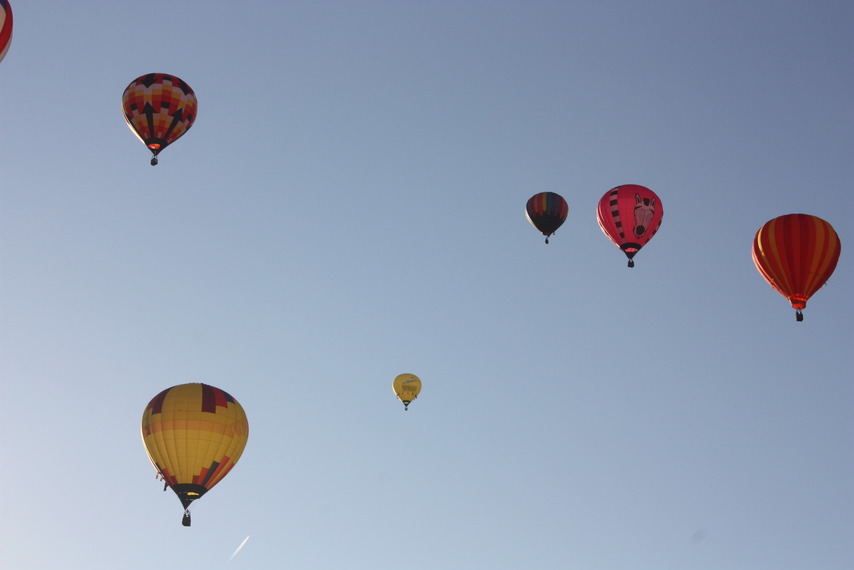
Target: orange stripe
{"points": [[769, 257], [169, 425]]}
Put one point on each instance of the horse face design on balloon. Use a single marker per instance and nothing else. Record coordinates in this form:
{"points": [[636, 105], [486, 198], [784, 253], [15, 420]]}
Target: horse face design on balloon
{"points": [[616, 210], [644, 212]]}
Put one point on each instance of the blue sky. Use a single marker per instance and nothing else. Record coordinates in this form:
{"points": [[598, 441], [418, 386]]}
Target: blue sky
{"points": [[349, 206]]}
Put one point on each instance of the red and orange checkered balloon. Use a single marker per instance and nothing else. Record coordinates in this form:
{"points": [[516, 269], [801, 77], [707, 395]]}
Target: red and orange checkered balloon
{"points": [[159, 109]]}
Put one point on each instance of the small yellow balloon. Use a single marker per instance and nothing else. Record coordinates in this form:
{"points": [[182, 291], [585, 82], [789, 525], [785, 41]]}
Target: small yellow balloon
{"points": [[406, 387]]}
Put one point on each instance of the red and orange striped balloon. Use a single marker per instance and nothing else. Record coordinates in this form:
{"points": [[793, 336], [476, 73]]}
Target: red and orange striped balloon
{"points": [[796, 254]]}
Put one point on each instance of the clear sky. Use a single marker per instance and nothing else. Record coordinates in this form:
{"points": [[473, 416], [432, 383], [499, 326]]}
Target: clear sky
{"points": [[349, 206]]}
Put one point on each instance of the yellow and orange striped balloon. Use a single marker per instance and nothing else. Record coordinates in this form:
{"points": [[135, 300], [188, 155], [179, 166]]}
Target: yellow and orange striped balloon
{"points": [[194, 434], [796, 254]]}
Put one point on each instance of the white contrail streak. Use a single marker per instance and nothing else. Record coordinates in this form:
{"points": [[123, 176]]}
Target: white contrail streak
{"points": [[238, 548]]}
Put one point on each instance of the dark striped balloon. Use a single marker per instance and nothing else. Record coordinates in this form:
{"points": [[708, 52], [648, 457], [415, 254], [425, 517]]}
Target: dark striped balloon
{"points": [[796, 254], [546, 211]]}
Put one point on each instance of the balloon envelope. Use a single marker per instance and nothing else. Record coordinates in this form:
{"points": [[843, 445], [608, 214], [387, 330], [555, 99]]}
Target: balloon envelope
{"points": [[5, 27], [630, 215], [406, 387], [159, 108], [193, 434], [796, 254], [546, 211]]}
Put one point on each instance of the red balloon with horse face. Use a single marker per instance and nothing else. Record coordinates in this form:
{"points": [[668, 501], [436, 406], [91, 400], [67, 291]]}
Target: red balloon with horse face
{"points": [[630, 215]]}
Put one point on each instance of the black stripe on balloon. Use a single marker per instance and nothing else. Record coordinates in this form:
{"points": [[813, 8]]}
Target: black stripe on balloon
{"points": [[176, 117], [148, 111], [148, 80], [211, 470]]}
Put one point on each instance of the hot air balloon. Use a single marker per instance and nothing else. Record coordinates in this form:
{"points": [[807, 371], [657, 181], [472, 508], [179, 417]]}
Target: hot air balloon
{"points": [[194, 434], [5, 27], [796, 254], [546, 211], [406, 387], [630, 215], [159, 108]]}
